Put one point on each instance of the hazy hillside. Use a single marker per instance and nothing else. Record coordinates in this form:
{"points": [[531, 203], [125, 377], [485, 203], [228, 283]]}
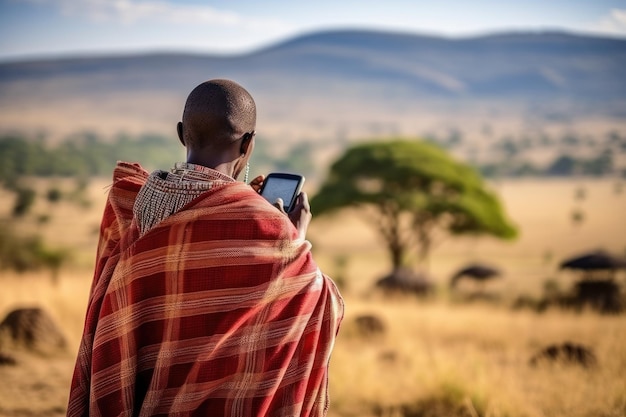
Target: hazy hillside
{"points": [[341, 85], [520, 65], [527, 65]]}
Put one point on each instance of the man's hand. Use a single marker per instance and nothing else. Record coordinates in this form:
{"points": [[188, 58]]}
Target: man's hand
{"points": [[300, 215], [257, 183]]}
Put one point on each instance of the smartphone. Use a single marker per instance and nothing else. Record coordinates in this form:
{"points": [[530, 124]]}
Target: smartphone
{"points": [[282, 185]]}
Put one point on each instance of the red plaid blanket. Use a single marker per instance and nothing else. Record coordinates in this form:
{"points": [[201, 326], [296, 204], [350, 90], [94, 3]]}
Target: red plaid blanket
{"points": [[217, 311]]}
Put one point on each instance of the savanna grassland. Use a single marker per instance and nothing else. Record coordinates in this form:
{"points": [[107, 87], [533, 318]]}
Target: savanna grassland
{"points": [[439, 356], [495, 101]]}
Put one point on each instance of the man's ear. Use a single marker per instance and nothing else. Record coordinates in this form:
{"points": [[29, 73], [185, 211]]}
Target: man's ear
{"points": [[179, 130], [246, 142]]}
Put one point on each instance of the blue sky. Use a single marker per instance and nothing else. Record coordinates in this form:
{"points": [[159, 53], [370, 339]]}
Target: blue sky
{"points": [[33, 28]]}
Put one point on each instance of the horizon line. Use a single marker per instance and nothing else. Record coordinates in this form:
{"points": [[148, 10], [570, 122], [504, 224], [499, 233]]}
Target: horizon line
{"points": [[243, 51]]}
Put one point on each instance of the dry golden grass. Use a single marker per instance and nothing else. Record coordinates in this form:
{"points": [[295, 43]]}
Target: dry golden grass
{"points": [[474, 355], [477, 355], [39, 385]]}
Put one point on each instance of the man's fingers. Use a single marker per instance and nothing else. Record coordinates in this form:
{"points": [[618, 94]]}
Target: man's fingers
{"points": [[257, 183], [304, 200], [279, 204]]}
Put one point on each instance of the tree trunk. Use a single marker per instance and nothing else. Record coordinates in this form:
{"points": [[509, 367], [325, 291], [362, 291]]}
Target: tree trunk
{"points": [[396, 249], [425, 242], [389, 226]]}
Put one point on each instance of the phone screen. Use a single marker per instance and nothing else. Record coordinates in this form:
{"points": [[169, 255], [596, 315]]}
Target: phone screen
{"points": [[279, 187]]}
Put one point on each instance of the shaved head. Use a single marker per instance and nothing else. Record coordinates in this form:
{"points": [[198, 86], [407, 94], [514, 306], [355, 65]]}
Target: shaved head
{"points": [[217, 113]]}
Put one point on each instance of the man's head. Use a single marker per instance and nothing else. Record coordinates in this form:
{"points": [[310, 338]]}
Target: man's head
{"points": [[218, 123]]}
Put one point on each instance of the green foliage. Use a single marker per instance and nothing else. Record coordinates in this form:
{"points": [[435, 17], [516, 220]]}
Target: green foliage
{"points": [[17, 253], [298, 159], [28, 253], [513, 156], [86, 155], [509, 148], [24, 202], [81, 155], [54, 195], [578, 217], [563, 165], [566, 165], [340, 262], [453, 139], [415, 179], [43, 219]]}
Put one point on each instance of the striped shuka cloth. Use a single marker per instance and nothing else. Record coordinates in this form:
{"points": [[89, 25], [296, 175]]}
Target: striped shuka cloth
{"points": [[218, 310]]}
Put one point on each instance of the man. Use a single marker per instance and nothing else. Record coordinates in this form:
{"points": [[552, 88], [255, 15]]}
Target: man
{"points": [[206, 300]]}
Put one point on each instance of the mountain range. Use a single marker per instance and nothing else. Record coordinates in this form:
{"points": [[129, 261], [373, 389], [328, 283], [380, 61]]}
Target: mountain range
{"points": [[336, 83]]}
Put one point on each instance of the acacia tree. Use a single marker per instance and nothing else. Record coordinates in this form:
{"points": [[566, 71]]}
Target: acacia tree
{"points": [[412, 191]]}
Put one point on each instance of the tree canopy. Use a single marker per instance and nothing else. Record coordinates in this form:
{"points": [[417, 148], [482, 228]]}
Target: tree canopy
{"points": [[412, 189]]}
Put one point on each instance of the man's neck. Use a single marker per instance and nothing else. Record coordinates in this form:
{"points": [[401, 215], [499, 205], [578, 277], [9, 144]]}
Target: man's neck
{"points": [[220, 163]]}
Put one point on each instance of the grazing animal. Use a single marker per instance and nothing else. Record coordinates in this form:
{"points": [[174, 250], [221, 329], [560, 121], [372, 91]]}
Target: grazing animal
{"points": [[405, 280], [602, 295], [476, 272], [568, 352]]}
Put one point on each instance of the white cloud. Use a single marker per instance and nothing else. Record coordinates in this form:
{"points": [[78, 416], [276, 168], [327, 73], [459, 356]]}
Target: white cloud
{"points": [[134, 11], [614, 23]]}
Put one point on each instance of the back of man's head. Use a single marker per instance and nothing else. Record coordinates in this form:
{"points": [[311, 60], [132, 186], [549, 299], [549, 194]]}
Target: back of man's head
{"points": [[217, 113]]}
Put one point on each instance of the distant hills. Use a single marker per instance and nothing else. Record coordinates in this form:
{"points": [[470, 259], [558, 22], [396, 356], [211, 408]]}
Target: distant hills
{"points": [[340, 85], [507, 65], [526, 65]]}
